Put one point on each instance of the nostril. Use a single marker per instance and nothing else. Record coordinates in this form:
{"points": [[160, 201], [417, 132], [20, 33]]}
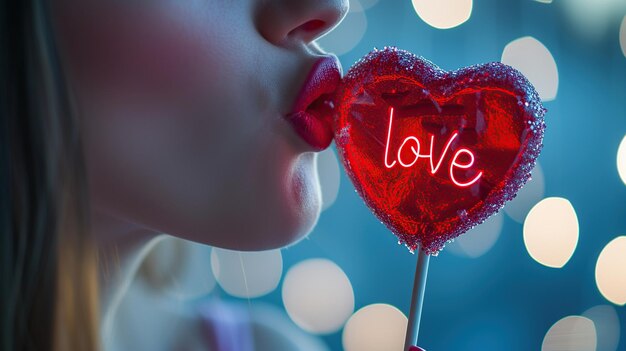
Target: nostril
{"points": [[313, 25], [292, 23], [308, 30]]}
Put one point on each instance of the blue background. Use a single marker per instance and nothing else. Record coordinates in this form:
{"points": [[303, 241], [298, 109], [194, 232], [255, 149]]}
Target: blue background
{"points": [[503, 300]]}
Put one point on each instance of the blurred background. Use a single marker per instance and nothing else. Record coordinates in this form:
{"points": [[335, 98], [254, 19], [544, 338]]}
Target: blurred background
{"points": [[547, 273]]}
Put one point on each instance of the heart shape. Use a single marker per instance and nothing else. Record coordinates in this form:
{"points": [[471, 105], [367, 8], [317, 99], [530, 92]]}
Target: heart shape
{"points": [[434, 153]]}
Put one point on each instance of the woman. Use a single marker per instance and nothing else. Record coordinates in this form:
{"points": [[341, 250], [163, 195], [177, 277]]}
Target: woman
{"points": [[122, 120]]}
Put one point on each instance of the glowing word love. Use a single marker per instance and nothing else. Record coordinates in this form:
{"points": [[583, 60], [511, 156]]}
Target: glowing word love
{"points": [[415, 146]]}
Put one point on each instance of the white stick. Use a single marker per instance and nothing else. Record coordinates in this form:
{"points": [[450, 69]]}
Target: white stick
{"points": [[417, 299]]}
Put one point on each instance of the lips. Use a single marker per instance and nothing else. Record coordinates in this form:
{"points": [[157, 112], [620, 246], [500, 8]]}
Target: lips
{"points": [[311, 115]]}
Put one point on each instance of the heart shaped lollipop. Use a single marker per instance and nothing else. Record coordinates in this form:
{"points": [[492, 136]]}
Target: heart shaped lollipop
{"points": [[434, 153]]}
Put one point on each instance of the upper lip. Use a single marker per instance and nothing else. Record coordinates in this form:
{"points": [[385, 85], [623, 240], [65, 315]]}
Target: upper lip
{"points": [[312, 111], [323, 79]]}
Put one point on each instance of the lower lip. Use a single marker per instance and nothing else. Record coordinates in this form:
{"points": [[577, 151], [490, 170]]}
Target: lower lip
{"points": [[313, 121], [315, 130]]}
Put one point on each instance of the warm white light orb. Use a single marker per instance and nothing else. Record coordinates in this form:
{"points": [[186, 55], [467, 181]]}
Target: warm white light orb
{"points": [[478, 240], [532, 192], [591, 19], [185, 264], [572, 333], [443, 14], [348, 33], [247, 274], [375, 327], [365, 4], [621, 160], [551, 232], [611, 271], [529, 56], [329, 175], [607, 324], [622, 35], [318, 296]]}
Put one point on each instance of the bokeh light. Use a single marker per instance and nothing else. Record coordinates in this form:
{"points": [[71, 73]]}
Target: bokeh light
{"points": [[611, 271], [621, 160], [622, 35], [529, 56], [366, 4], [375, 327], [349, 32], [318, 296], [572, 333], [551, 232], [179, 267], [247, 274], [443, 14], [532, 192], [478, 240], [592, 18], [605, 319], [329, 175]]}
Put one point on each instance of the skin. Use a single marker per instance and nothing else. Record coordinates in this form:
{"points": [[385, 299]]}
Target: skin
{"points": [[181, 105]]}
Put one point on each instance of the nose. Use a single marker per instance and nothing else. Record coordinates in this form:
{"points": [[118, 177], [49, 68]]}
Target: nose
{"points": [[289, 22]]}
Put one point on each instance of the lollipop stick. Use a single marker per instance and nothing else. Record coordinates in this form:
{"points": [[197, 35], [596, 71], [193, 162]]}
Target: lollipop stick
{"points": [[417, 299]]}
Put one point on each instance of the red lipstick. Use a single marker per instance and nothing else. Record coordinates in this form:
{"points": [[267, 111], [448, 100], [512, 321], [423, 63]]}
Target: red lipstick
{"points": [[312, 112]]}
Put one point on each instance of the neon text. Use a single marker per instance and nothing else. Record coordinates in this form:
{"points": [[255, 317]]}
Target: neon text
{"points": [[415, 146]]}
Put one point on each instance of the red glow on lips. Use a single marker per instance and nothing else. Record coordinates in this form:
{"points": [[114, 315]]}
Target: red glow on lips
{"points": [[483, 124], [313, 108]]}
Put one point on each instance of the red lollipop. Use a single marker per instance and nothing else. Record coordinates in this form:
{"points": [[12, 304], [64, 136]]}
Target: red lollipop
{"points": [[435, 153]]}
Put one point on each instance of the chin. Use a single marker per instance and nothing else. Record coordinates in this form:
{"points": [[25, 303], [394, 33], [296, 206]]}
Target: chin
{"points": [[280, 234], [270, 227], [294, 213], [280, 213]]}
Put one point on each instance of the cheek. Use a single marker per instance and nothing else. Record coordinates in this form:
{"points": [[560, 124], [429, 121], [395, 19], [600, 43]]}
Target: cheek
{"points": [[170, 143], [240, 192], [137, 50], [201, 177], [163, 51]]}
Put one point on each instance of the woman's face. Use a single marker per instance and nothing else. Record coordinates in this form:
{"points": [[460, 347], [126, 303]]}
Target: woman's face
{"points": [[184, 108]]}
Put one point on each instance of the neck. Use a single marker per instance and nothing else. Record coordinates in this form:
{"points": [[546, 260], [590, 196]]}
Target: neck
{"points": [[122, 246]]}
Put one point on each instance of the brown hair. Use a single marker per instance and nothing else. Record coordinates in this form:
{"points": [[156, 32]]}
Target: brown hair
{"points": [[48, 280]]}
